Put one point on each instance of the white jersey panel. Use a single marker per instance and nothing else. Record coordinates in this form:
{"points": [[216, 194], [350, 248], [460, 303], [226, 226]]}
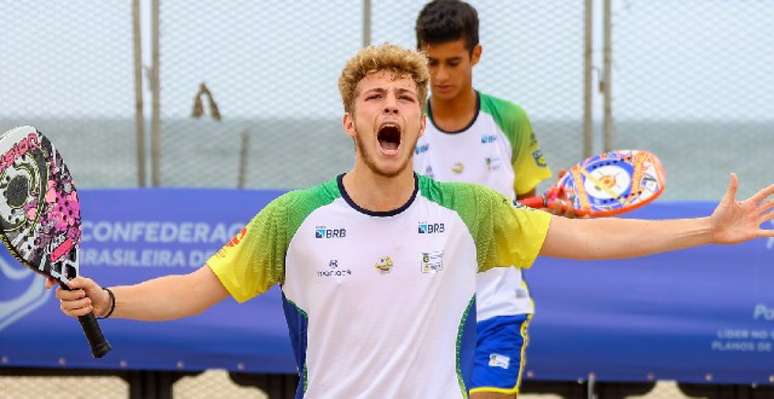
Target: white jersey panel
{"points": [[480, 154], [364, 273]]}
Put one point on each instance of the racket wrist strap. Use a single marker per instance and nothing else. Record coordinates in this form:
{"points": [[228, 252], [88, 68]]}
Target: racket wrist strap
{"points": [[112, 303]]}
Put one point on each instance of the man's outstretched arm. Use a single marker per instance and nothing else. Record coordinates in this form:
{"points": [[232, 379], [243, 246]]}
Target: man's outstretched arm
{"points": [[164, 298], [612, 238]]}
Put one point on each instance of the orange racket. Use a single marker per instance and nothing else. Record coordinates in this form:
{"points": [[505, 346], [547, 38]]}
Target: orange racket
{"points": [[607, 184]]}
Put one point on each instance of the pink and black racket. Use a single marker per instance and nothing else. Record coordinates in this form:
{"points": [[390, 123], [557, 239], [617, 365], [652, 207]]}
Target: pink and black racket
{"points": [[40, 214], [607, 184]]}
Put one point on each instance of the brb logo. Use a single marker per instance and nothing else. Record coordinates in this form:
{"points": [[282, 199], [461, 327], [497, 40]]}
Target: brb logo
{"points": [[430, 228], [324, 232], [489, 138], [21, 291]]}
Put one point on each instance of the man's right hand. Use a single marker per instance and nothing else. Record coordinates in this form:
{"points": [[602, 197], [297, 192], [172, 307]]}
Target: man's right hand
{"points": [[83, 297], [561, 207]]}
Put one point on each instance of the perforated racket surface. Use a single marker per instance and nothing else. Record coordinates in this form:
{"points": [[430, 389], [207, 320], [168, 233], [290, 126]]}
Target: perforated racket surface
{"points": [[40, 219], [608, 184]]}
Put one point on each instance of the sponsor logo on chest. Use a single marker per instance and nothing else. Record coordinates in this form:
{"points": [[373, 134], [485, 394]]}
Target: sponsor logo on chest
{"points": [[421, 148], [488, 139], [334, 270], [539, 160], [384, 264], [431, 228], [493, 163], [325, 232], [429, 171], [431, 262], [458, 168]]}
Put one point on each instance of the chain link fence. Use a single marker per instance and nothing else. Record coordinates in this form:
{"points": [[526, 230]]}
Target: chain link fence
{"points": [[692, 82], [274, 83], [65, 67], [272, 71]]}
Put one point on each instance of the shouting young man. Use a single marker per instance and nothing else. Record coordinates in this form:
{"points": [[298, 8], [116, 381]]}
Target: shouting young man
{"points": [[397, 321]]}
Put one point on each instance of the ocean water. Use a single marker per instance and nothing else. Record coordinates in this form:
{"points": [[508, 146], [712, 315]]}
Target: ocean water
{"points": [[291, 153]]}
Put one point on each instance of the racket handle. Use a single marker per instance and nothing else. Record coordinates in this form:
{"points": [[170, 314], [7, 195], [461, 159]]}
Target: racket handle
{"points": [[534, 202], [99, 345]]}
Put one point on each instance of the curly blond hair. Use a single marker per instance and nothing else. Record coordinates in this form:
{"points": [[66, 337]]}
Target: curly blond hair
{"points": [[387, 57]]}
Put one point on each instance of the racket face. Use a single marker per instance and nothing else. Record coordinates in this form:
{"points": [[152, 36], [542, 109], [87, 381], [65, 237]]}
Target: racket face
{"points": [[613, 182], [40, 215]]}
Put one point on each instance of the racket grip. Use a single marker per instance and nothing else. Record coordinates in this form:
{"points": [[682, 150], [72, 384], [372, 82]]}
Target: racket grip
{"points": [[99, 345], [534, 202]]}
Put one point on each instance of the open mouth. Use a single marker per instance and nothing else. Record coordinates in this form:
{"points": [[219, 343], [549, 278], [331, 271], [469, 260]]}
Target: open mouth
{"points": [[389, 138]]}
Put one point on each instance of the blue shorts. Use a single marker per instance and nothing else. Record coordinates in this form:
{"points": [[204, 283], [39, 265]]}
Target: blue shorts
{"points": [[501, 343]]}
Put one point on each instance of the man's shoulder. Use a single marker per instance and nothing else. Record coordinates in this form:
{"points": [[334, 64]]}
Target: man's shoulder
{"points": [[310, 197], [501, 107], [452, 194]]}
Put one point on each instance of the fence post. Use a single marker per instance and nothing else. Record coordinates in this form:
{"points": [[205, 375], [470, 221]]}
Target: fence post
{"points": [[607, 79], [244, 145], [139, 116], [366, 23], [156, 102], [588, 127]]}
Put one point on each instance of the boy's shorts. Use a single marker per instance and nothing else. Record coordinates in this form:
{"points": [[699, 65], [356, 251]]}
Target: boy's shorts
{"points": [[500, 354]]}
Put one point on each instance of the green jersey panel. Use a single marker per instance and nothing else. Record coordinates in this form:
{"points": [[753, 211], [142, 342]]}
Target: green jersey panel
{"points": [[505, 233], [527, 157], [254, 261]]}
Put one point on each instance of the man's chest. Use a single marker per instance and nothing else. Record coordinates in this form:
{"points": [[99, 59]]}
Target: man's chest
{"points": [[480, 154], [357, 254]]}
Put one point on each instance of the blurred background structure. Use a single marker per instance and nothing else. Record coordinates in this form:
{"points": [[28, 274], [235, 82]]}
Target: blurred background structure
{"points": [[172, 93], [685, 79]]}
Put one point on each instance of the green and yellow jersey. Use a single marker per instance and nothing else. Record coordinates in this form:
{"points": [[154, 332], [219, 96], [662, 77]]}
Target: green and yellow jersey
{"points": [[380, 304], [499, 150]]}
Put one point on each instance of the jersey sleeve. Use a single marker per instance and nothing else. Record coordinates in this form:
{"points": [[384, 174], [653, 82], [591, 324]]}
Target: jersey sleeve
{"points": [[254, 260], [505, 232], [516, 234], [529, 165]]}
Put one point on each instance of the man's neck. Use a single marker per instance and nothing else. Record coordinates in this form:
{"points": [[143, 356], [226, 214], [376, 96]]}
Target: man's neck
{"points": [[379, 193], [454, 114]]}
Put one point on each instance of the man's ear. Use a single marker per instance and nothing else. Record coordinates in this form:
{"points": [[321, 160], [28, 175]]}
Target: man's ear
{"points": [[475, 55], [422, 125], [349, 124]]}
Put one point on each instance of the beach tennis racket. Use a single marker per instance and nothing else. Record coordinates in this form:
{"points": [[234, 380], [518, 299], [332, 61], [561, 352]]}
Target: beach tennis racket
{"points": [[40, 218], [607, 184]]}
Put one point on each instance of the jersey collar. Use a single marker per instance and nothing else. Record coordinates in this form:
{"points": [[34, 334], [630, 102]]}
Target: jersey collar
{"points": [[340, 181], [472, 121]]}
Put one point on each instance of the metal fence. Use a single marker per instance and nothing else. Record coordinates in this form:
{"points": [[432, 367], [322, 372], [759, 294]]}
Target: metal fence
{"points": [[271, 70], [65, 67], [685, 78], [692, 83], [275, 82]]}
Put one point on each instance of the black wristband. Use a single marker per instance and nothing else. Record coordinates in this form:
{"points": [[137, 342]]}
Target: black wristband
{"points": [[112, 303]]}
